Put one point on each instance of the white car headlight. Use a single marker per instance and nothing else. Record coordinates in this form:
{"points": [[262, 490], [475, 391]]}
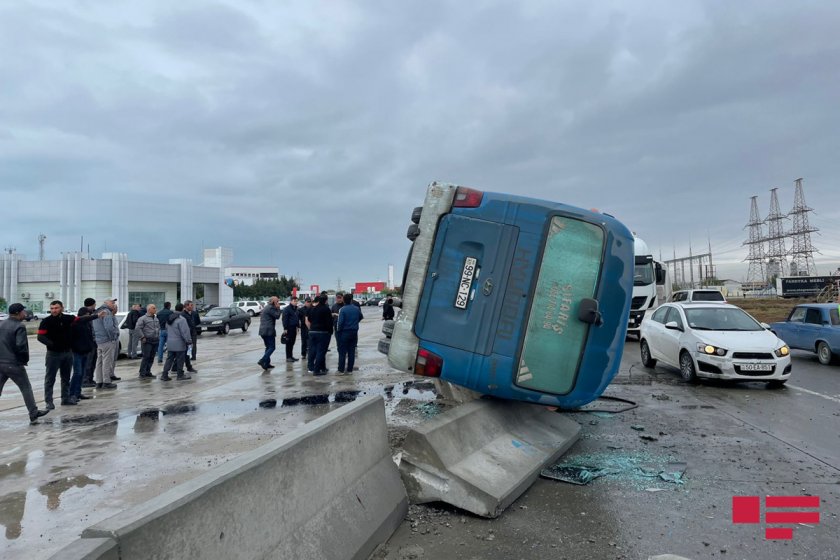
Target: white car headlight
{"points": [[711, 350], [782, 351], [216, 323]]}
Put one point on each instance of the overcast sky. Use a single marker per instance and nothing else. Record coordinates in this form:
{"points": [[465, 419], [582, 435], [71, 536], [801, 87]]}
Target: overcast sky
{"points": [[301, 134]]}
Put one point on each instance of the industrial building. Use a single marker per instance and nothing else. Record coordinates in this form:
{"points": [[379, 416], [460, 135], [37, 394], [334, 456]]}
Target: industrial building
{"points": [[77, 276]]}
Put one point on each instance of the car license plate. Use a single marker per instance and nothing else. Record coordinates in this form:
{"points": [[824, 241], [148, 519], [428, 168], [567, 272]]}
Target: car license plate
{"points": [[756, 367], [467, 275]]}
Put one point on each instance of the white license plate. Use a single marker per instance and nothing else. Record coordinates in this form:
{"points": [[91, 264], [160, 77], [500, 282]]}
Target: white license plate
{"points": [[463, 296], [756, 367]]}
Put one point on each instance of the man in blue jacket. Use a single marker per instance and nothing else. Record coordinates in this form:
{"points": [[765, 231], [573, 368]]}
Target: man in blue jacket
{"points": [[347, 333], [179, 338], [291, 321]]}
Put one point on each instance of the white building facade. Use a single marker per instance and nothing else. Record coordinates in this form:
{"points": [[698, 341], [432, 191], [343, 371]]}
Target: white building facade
{"points": [[76, 276]]}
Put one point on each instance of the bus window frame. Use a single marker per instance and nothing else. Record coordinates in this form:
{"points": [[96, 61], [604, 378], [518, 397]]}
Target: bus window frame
{"points": [[532, 290]]}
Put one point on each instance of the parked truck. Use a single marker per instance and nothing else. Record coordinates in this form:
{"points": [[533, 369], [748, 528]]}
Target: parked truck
{"points": [[651, 286]]}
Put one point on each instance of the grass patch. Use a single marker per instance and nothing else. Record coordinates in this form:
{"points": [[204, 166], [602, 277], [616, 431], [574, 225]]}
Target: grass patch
{"points": [[768, 310]]}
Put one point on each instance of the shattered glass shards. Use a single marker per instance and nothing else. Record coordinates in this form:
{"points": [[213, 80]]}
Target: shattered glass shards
{"points": [[636, 468]]}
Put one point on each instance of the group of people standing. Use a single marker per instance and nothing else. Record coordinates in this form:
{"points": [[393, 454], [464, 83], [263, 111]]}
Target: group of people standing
{"points": [[82, 350], [176, 332], [77, 346], [317, 323]]}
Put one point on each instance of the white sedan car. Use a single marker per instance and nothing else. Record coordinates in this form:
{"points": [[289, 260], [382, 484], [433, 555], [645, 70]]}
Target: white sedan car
{"points": [[715, 341]]}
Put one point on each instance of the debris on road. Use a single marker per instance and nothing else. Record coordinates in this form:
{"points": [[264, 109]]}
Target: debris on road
{"points": [[573, 474], [637, 468], [637, 428]]}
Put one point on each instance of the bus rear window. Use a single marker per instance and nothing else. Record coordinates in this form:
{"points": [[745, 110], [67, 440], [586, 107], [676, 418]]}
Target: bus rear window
{"points": [[555, 338]]}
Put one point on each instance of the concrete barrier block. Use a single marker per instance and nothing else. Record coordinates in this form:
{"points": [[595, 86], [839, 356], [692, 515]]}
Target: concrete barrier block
{"points": [[89, 549], [328, 490], [482, 455]]}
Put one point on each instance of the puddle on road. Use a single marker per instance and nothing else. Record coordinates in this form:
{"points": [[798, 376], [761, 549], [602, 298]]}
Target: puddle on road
{"points": [[190, 427]]}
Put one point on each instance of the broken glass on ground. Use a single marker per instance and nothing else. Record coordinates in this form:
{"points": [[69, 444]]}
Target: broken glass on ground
{"points": [[637, 468]]}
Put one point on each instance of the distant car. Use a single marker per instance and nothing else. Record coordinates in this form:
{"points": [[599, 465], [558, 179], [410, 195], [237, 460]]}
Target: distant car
{"points": [[814, 327], [716, 341], [690, 296], [4, 316], [373, 301], [283, 304], [250, 307], [30, 316], [223, 319], [124, 335]]}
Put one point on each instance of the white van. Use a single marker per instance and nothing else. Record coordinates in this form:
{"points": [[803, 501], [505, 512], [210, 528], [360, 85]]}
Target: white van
{"points": [[704, 295], [250, 307]]}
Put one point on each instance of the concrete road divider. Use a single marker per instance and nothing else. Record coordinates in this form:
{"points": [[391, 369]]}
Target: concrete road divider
{"points": [[482, 455], [327, 490], [89, 549]]}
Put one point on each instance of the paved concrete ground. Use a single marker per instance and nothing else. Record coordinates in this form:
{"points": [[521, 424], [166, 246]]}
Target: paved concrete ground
{"points": [[87, 462], [735, 439]]}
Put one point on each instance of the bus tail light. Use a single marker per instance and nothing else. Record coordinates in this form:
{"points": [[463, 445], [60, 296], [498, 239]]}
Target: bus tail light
{"points": [[428, 364], [467, 198]]}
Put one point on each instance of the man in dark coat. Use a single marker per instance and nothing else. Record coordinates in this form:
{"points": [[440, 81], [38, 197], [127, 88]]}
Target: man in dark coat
{"points": [[54, 333], [14, 356], [303, 312], [268, 330], [320, 323], [290, 328]]}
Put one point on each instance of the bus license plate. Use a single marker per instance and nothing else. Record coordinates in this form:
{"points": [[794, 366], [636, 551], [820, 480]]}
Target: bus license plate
{"points": [[467, 275], [756, 367]]}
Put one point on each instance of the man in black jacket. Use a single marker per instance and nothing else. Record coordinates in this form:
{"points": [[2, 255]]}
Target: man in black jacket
{"points": [[320, 323], [81, 343], [302, 313], [187, 313], [130, 324], [290, 328], [14, 356], [54, 333], [90, 365]]}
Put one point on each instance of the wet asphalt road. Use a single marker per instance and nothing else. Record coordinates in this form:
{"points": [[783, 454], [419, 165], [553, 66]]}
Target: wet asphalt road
{"points": [[85, 463], [735, 439]]}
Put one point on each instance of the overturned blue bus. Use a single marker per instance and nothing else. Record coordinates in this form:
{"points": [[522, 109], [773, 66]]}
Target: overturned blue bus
{"points": [[514, 297]]}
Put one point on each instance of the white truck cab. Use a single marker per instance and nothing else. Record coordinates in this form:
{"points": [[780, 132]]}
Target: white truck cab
{"points": [[650, 286]]}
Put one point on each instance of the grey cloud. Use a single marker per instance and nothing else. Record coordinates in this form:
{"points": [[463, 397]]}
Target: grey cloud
{"points": [[315, 130]]}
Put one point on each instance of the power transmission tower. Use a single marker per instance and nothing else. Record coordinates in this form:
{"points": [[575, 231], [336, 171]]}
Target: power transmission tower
{"points": [[801, 251], [757, 273], [776, 252], [41, 239]]}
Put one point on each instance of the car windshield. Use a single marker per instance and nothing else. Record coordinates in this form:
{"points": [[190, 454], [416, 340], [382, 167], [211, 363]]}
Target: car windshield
{"points": [[643, 274], [720, 319], [217, 312]]}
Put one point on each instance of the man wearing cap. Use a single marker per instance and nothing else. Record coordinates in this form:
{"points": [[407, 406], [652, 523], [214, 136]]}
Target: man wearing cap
{"points": [[54, 332], [14, 356], [106, 332]]}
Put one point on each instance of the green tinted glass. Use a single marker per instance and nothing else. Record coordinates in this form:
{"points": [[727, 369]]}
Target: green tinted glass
{"points": [[555, 337]]}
